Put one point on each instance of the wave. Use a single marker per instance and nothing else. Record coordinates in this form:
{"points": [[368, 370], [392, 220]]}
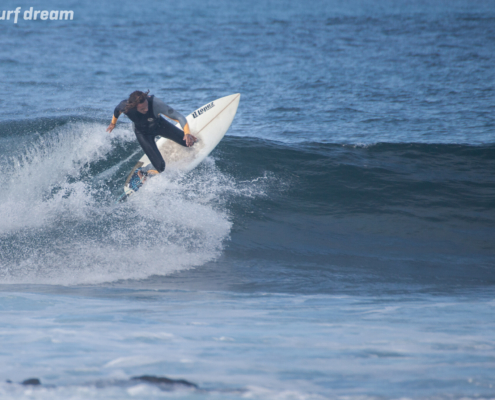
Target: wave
{"points": [[256, 197]]}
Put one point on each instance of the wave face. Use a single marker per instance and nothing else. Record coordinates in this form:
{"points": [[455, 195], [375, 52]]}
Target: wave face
{"points": [[338, 215], [425, 210]]}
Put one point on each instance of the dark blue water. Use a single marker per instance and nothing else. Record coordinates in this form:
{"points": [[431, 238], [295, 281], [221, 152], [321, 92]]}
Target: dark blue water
{"points": [[348, 215]]}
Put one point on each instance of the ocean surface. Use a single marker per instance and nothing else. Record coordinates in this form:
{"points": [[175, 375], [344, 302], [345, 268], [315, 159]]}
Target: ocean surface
{"points": [[339, 243]]}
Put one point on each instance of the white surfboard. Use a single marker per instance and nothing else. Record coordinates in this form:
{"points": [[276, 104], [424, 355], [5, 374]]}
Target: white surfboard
{"points": [[208, 123]]}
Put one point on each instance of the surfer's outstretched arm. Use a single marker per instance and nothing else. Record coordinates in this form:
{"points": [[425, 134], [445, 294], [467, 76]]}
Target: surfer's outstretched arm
{"points": [[116, 114], [159, 107]]}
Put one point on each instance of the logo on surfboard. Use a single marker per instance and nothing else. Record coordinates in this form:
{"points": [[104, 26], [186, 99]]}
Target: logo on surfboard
{"points": [[203, 110]]}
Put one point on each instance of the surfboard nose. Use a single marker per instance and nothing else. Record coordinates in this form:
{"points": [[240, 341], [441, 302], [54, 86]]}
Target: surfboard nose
{"points": [[237, 99]]}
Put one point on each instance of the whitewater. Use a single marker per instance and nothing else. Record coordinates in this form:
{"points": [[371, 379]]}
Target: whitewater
{"points": [[337, 244]]}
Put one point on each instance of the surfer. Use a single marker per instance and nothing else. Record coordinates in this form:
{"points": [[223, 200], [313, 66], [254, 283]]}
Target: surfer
{"points": [[144, 112]]}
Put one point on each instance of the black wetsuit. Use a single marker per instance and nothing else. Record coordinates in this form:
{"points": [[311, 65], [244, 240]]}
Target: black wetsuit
{"points": [[150, 125]]}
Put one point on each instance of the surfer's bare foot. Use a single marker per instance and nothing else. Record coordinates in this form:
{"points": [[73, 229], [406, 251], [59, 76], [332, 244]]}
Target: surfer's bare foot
{"points": [[145, 175]]}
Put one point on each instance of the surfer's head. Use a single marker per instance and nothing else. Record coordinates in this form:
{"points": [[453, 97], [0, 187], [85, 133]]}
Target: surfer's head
{"points": [[138, 100]]}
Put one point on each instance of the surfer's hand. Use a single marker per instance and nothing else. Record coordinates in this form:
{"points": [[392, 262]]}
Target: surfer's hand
{"points": [[190, 139], [110, 127]]}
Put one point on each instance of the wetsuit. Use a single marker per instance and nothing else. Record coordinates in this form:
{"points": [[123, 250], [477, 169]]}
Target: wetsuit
{"points": [[148, 126]]}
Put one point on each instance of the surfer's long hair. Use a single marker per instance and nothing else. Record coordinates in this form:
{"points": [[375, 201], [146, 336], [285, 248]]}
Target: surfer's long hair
{"points": [[135, 98]]}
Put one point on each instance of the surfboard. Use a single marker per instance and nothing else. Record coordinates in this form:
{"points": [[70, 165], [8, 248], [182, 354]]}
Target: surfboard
{"points": [[209, 123]]}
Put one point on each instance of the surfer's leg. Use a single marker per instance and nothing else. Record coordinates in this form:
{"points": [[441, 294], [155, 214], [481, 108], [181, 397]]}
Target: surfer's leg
{"points": [[169, 131], [148, 144]]}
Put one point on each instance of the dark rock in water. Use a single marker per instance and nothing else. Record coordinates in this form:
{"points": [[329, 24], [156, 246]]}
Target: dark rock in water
{"points": [[8, 381], [159, 380], [31, 381]]}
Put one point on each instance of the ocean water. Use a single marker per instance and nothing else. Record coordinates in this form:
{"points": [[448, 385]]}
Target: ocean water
{"points": [[339, 243]]}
